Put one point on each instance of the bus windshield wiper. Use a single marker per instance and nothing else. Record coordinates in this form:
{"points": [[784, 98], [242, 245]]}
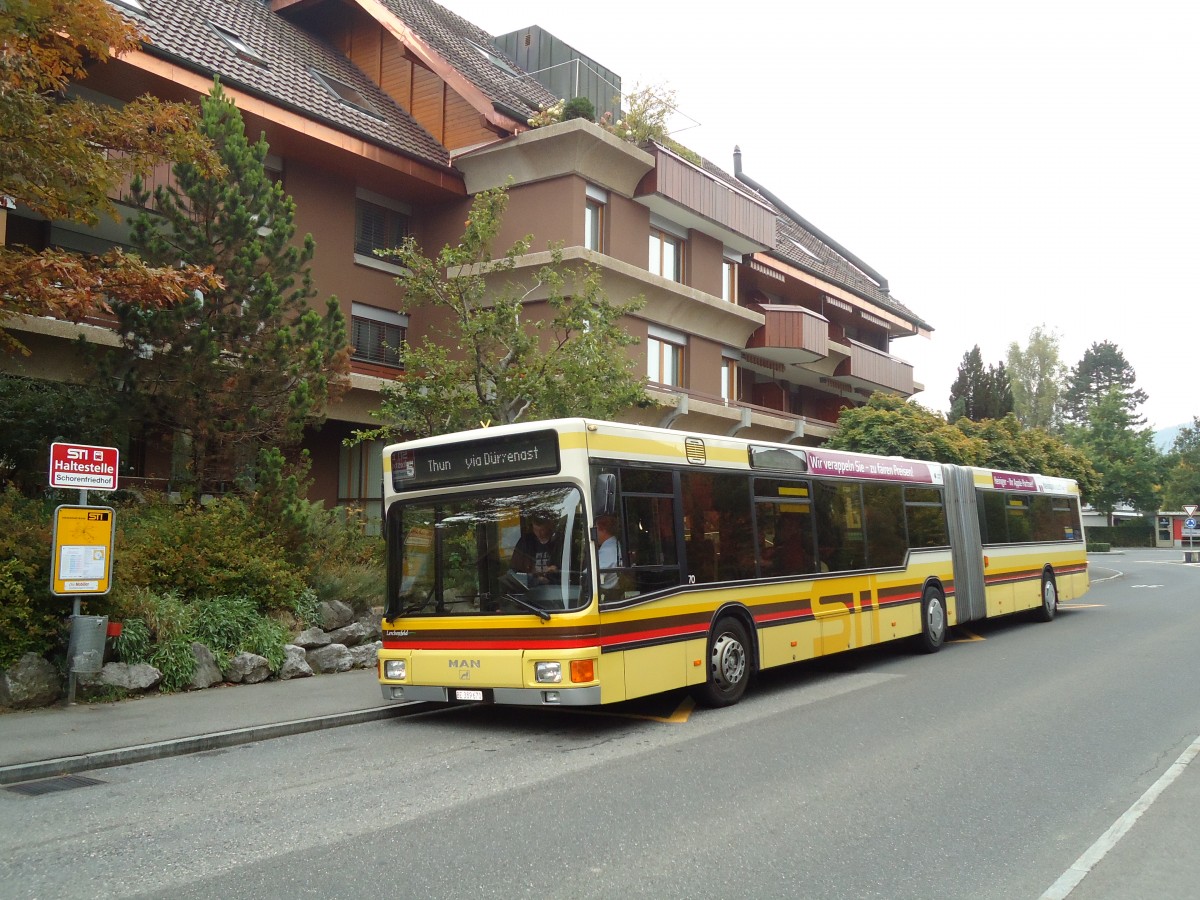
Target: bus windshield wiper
{"points": [[537, 610]]}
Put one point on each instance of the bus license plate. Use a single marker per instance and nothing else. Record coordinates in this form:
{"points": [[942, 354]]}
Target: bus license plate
{"points": [[468, 695]]}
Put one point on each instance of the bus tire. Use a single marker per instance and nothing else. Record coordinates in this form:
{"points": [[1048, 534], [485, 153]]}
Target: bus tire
{"points": [[933, 620], [728, 665], [1045, 612]]}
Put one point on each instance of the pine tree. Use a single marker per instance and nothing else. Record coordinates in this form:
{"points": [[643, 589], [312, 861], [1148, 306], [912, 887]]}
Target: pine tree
{"points": [[249, 365], [967, 387], [997, 399], [1102, 369]]}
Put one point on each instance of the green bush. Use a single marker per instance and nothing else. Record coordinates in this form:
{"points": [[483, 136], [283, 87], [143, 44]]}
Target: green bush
{"points": [[1097, 547], [579, 108], [204, 551], [31, 618], [358, 586], [1138, 533], [174, 658], [133, 644]]}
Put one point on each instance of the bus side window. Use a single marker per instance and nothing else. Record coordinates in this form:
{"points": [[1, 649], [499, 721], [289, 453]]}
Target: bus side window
{"points": [[841, 539]]}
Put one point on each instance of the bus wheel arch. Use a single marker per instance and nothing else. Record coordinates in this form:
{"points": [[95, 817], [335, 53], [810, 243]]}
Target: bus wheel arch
{"points": [[731, 655], [1049, 606], [934, 618]]}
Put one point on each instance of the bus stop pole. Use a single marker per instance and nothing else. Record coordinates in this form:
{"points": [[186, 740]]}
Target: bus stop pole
{"points": [[76, 611]]}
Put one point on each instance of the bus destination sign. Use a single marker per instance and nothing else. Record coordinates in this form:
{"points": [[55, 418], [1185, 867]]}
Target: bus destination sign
{"points": [[490, 459]]}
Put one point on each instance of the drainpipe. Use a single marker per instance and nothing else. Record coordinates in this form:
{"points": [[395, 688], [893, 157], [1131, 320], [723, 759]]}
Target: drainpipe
{"points": [[808, 226]]}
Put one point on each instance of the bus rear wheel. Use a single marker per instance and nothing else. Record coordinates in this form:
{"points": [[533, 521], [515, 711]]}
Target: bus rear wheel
{"points": [[933, 621], [728, 665], [1049, 607]]}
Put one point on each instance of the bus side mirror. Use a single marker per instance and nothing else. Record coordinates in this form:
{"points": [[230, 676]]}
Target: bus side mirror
{"points": [[606, 494]]}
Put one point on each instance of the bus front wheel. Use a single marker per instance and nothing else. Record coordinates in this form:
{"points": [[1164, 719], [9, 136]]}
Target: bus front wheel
{"points": [[1049, 607], [728, 665], [933, 620]]}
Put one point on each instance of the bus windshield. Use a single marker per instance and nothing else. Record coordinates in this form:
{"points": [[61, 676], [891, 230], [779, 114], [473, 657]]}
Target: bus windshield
{"points": [[488, 553]]}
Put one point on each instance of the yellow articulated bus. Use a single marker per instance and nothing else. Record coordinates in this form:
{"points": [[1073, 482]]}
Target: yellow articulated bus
{"points": [[576, 562]]}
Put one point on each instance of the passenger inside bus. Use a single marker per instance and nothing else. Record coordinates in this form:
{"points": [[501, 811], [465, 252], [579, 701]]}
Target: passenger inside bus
{"points": [[608, 553]]}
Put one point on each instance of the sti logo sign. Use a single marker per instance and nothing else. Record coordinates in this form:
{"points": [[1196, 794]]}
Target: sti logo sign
{"points": [[81, 466]]}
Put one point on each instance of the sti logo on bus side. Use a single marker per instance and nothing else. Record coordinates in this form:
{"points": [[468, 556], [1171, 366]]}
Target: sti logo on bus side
{"points": [[465, 664]]}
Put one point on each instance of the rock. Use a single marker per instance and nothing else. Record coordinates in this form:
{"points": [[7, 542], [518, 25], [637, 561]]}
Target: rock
{"points": [[312, 637], [364, 656], [248, 668], [335, 614], [136, 677], [30, 683], [334, 658], [207, 671], [296, 665], [372, 621], [350, 635]]}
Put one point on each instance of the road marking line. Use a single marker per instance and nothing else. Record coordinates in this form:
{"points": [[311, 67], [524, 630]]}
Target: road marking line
{"points": [[1070, 879], [1065, 606], [970, 636]]}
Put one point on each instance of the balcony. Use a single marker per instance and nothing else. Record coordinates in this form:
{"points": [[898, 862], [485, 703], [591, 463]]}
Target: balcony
{"points": [[791, 335], [874, 370], [696, 199]]}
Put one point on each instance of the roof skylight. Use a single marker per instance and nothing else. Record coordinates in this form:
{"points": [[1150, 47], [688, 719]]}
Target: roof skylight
{"points": [[803, 249], [497, 61], [345, 93], [238, 45]]}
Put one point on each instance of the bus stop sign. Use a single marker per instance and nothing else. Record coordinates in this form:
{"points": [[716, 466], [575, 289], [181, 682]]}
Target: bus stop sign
{"points": [[83, 466], [83, 549]]}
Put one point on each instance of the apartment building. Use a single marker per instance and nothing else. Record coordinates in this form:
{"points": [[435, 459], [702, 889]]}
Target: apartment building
{"points": [[384, 118]]}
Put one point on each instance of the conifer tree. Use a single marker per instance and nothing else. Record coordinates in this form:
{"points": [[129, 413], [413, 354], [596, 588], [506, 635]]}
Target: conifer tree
{"points": [[249, 365], [1102, 369]]}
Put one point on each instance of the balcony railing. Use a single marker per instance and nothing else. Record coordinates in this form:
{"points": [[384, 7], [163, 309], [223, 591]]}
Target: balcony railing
{"points": [[740, 218], [790, 335], [874, 369]]}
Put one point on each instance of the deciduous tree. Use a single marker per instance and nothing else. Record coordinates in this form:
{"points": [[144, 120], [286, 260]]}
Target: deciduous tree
{"points": [[64, 158], [1128, 464], [1182, 483], [1036, 374], [491, 362]]}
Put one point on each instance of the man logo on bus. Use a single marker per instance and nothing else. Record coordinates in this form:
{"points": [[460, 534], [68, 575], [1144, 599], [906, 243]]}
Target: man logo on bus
{"points": [[465, 664]]}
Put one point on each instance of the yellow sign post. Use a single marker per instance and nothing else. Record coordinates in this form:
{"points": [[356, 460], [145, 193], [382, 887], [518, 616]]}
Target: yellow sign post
{"points": [[83, 551]]}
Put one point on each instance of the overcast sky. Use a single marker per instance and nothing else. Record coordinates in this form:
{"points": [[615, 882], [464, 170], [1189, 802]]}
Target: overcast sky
{"points": [[1003, 165]]}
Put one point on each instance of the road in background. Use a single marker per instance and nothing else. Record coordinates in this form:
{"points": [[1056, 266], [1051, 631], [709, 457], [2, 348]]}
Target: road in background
{"points": [[982, 771]]}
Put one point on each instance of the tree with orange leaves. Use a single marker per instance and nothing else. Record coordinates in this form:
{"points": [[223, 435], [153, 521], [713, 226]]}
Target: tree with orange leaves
{"points": [[64, 158]]}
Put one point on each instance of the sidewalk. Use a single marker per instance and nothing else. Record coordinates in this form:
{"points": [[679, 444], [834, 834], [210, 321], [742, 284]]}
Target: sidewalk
{"points": [[60, 740]]}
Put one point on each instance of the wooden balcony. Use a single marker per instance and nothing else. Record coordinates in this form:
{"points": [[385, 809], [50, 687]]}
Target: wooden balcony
{"points": [[873, 369], [792, 335], [687, 194]]}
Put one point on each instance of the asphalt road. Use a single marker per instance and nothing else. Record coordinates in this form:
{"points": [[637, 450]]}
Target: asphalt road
{"points": [[983, 771]]}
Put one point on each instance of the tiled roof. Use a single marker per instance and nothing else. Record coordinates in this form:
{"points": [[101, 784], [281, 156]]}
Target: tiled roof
{"points": [[182, 31], [799, 247], [458, 42]]}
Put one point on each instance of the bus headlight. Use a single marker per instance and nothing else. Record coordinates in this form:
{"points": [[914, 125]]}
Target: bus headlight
{"points": [[547, 672], [395, 669]]}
